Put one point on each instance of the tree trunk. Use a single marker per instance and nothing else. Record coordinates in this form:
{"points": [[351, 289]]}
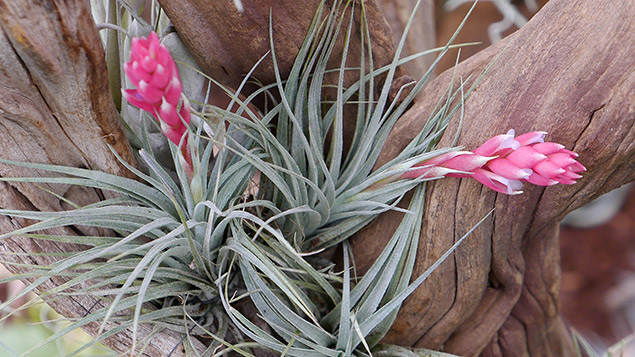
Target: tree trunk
{"points": [[227, 43], [569, 72]]}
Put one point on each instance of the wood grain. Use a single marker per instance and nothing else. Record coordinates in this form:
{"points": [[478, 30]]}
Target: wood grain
{"points": [[227, 43]]}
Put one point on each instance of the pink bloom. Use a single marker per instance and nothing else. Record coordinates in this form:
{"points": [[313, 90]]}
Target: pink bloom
{"points": [[455, 161], [498, 145], [158, 88], [503, 162]]}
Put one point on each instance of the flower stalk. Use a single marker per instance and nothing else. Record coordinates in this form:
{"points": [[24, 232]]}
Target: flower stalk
{"points": [[504, 162], [159, 91]]}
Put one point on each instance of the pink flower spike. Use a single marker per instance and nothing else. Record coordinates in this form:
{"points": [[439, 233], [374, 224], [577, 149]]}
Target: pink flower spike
{"points": [[138, 49], [532, 138], [185, 110], [570, 175], [159, 90], [148, 64], [547, 148], [136, 73], [497, 144], [567, 151], [459, 175], [426, 171], [149, 93], [173, 91], [498, 183], [467, 162], [548, 169], [538, 180], [506, 169], [577, 167], [438, 160], [562, 159], [168, 114], [127, 67], [503, 162], [153, 45], [166, 60], [174, 134], [133, 98], [565, 181], [525, 157], [160, 77]]}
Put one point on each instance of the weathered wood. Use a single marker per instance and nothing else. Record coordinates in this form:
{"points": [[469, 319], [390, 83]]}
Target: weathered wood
{"points": [[56, 108], [227, 43], [569, 71], [421, 35]]}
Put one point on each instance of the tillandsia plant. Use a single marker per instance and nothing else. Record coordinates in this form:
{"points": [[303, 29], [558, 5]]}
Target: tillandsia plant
{"points": [[190, 244]]}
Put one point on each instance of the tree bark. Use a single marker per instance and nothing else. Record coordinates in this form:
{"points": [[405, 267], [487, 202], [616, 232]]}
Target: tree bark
{"points": [[227, 43], [421, 35], [56, 108], [568, 72]]}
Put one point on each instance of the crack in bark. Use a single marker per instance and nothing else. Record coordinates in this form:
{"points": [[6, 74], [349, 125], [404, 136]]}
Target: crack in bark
{"points": [[50, 110], [588, 124], [456, 273]]}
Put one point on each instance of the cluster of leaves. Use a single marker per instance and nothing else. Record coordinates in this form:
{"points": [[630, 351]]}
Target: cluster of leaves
{"points": [[188, 253]]}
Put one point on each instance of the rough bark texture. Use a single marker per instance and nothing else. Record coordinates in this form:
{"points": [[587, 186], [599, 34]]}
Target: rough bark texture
{"points": [[227, 43], [567, 72], [56, 107]]}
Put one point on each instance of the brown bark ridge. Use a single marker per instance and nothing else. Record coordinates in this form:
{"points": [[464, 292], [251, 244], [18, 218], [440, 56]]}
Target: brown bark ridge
{"points": [[227, 43], [569, 72], [56, 108]]}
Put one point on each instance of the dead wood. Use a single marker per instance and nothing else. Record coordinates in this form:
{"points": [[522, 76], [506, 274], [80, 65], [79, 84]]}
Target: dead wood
{"points": [[568, 72], [227, 43]]}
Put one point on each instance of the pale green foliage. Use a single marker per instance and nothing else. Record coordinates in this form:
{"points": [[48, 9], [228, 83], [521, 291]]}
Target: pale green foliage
{"points": [[185, 254]]}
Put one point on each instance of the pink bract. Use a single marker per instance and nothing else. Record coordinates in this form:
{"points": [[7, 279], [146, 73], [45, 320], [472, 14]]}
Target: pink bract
{"points": [[158, 91], [503, 162]]}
